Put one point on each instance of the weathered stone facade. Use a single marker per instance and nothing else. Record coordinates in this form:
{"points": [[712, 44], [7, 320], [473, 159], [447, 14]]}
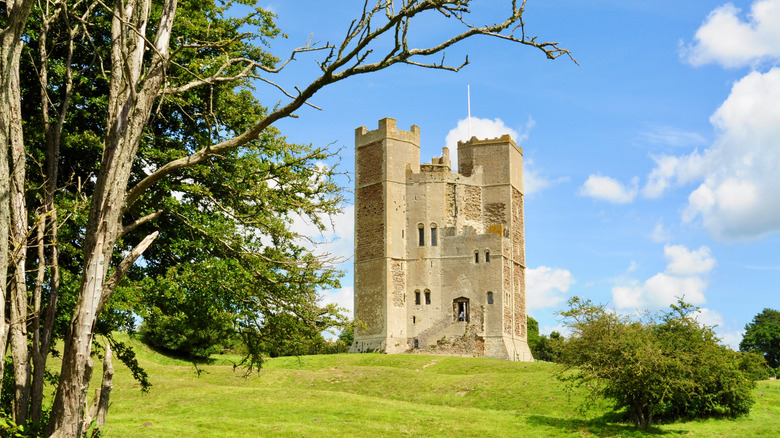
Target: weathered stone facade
{"points": [[439, 256]]}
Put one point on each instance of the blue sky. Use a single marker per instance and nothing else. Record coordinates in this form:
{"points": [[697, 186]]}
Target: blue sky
{"points": [[652, 168]]}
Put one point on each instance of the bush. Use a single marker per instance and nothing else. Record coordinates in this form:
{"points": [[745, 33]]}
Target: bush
{"points": [[659, 367]]}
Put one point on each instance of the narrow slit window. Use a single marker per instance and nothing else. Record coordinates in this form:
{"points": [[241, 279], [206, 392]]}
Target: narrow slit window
{"points": [[427, 296], [476, 256], [421, 232], [434, 235], [487, 256], [417, 297], [490, 297]]}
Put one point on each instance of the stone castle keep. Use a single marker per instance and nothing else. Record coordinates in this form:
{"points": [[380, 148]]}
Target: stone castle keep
{"points": [[439, 256]]}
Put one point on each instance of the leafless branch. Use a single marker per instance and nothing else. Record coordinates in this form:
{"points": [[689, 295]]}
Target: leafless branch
{"points": [[352, 55], [140, 221], [124, 266]]}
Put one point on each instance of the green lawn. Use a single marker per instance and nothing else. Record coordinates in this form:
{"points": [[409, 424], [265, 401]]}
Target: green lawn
{"points": [[380, 395]]}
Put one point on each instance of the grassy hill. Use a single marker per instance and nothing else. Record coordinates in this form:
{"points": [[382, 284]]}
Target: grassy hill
{"points": [[371, 395]]}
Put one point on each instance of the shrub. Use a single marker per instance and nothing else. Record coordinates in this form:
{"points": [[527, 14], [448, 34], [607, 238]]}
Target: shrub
{"points": [[658, 367]]}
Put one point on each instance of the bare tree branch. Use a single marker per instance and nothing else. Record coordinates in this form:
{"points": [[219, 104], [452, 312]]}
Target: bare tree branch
{"points": [[149, 217], [350, 58]]}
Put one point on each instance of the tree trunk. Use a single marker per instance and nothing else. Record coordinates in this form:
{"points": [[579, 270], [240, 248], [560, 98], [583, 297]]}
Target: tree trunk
{"points": [[97, 412], [132, 94], [13, 194]]}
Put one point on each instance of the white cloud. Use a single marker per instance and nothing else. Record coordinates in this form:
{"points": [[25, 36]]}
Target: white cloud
{"points": [[660, 291], [730, 40], [671, 136], [660, 234], [343, 298], [534, 182], [708, 317], [683, 278], [547, 286], [609, 189], [482, 129], [738, 196], [729, 336], [683, 261]]}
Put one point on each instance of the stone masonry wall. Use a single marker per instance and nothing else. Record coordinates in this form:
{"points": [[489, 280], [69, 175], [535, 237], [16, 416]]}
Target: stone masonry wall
{"points": [[472, 203], [507, 298], [519, 280], [518, 235], [369, 242], [369, 163], [495, 214], [398, 273], [369, 304]]}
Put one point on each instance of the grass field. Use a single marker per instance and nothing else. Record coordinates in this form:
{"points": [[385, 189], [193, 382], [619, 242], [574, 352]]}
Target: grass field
{"points": [[380, 395]]}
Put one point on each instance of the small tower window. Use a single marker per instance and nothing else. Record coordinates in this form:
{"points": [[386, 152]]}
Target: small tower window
{"points": [[476, 256], [434, 237], [487, 256], [427, 296], [421, 232], [490, 297], [417, 297]]}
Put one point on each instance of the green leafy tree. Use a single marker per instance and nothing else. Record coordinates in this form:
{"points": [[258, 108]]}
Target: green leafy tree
{"points": [[762, 336], [533, 332], [547, 347], [660, 367], [143, 136]]}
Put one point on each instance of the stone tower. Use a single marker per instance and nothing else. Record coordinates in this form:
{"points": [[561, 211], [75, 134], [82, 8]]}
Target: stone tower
{"points": [[439, 256]]}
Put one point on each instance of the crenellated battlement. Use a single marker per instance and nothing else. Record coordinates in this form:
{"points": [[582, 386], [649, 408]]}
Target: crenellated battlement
{"points": [[386, 130], [504, 139]]}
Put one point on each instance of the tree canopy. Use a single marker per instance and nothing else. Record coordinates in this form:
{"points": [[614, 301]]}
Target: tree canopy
{"points": [[762, 336], [660, 367]]}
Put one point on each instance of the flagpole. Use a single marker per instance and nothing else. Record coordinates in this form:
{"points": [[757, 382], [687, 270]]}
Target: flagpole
{"points": [[468, 98]]}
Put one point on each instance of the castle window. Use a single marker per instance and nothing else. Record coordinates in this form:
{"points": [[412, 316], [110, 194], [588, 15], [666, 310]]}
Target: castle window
{"points": [[460, 307], [421, 231], [416, 343], [434, 237], [414, 320], [417, 297], [476, 256], [490, 297], [427, 296], [487, 256]]}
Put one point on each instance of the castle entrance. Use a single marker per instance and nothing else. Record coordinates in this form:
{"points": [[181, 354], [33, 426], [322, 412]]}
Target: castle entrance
{"points": [[460, 308]]}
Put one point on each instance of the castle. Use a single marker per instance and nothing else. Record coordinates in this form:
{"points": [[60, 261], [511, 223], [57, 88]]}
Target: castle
{"points": [[439, 256]]}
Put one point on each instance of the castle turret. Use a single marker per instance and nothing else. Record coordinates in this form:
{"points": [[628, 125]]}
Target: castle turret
{"points": [[382, 159], [439, 255]]}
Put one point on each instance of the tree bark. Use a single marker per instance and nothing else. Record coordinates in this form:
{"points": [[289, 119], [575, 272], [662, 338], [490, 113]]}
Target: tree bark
{"points": [[13, 200], [99, 408], [130, 104], [53, 134]]}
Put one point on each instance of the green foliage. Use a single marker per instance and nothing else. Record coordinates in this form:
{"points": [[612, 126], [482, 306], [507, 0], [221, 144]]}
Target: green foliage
{"points": [[547, 348], [533, 332], [660, 367], [347, 335], [762, 336]]}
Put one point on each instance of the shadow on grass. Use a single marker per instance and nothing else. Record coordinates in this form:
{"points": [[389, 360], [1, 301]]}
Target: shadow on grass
{"points": [[195, 361], [608, 425]]}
